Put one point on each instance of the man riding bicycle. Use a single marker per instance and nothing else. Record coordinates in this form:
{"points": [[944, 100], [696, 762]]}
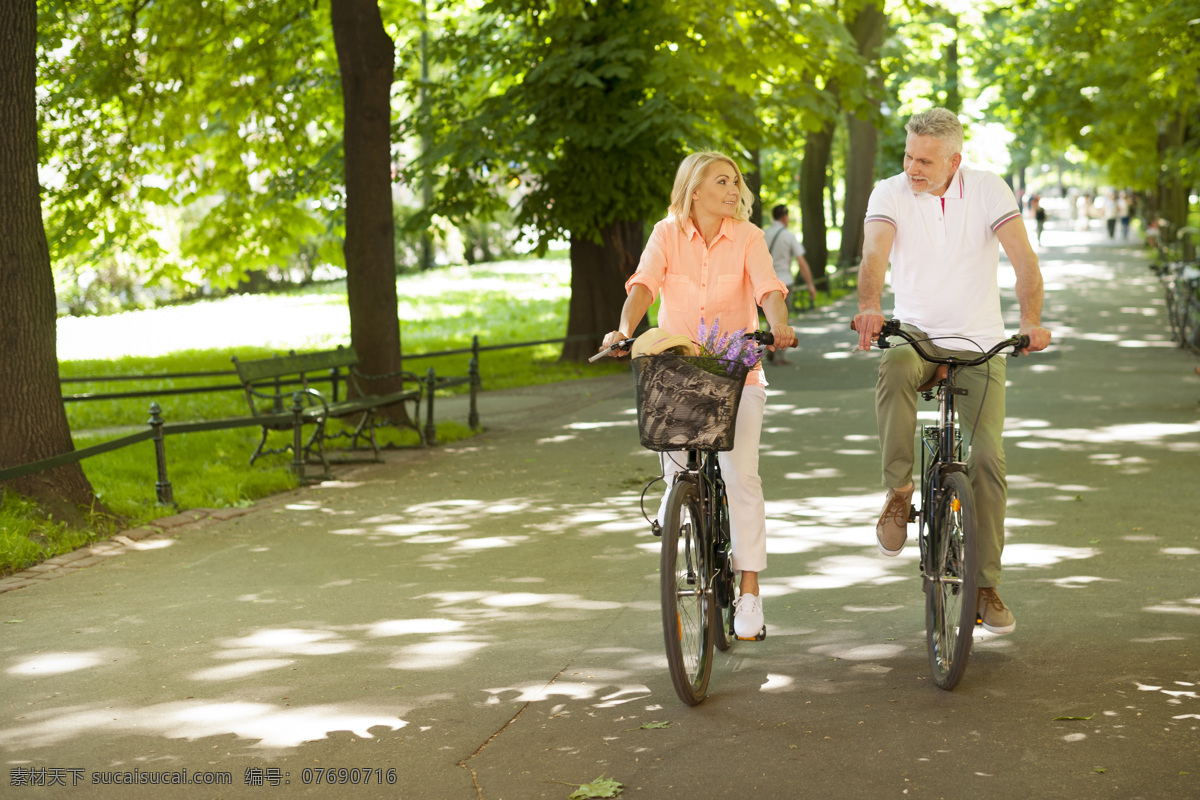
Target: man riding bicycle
{"points": [[941, 226]]}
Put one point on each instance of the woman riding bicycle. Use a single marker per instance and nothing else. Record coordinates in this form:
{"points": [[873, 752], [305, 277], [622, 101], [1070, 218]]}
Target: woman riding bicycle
{"points": [[710, 263]]}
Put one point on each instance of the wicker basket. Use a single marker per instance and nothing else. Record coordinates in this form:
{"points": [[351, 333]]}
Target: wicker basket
{"points": [[687, 403]]}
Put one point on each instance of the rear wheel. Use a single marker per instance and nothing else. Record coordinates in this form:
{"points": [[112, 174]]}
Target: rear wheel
{"points": [[686, 596], [950, 589]]}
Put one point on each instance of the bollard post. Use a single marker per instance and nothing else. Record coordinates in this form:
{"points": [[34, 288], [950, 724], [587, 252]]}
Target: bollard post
{"points": [[430, 430], [473, 372], [298, 435], [162, 487]]}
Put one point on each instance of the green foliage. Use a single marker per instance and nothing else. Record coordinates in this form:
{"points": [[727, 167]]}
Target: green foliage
{"points": [[586, 107], [1104, 77], [227, 110]]}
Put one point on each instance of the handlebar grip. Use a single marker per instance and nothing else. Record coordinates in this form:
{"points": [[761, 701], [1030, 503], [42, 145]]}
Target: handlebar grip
{"points": [[623, 344]]}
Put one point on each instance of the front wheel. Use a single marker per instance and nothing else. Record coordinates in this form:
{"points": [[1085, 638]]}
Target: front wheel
{"points": [[950, 587], [686, 596]]}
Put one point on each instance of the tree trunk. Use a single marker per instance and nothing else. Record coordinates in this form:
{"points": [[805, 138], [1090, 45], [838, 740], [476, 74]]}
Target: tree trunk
{"points": [[953, 96], [754, 182], [33, 419], [860, 179], [1172, 199], [366, 57], [868, 27], [817, 149], [598, 275]]}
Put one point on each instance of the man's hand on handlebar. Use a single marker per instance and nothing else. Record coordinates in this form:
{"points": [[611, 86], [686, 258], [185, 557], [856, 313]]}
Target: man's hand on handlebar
{"points": [[868, 324], [785, 336], [1039, 338]]}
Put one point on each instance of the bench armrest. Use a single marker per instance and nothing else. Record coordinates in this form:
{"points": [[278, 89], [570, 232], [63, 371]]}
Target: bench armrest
{"points": [[251, 393]]}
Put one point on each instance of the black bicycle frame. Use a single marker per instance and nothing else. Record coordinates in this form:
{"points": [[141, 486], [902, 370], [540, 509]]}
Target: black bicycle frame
{"points": [[941, 455]]}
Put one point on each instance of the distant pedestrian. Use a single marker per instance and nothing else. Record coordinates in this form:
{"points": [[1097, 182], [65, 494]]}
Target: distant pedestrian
{"points": [[1110, 214], [1124, 213], [1039, 216], [784, 246]]}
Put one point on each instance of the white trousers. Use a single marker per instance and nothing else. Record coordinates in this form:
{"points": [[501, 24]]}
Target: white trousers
{"points": [[739, 469]]}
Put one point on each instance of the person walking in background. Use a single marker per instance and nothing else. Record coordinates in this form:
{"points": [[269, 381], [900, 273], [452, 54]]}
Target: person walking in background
{"points": [[784, 246], [1110, 214], [1124, 212], [1039, 216], [941, 226], [710, 263]]}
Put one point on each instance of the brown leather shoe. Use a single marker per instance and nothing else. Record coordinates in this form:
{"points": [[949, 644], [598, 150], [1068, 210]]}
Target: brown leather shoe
{"points": [[892, 529], [995, 615]]}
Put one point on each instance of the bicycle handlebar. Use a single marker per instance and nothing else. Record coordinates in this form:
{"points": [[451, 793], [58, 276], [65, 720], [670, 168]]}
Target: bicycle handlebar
{"points": [[892, 328], [762, 337]]}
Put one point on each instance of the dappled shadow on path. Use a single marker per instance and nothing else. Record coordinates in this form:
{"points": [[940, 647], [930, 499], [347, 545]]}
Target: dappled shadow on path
{"points": [[510, 584]]}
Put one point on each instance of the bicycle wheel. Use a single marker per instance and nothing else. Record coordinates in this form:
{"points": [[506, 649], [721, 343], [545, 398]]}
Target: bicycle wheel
{"points": [[686, 596], [1189, 335], [1172, 314], [950, 589], [723, 581]]}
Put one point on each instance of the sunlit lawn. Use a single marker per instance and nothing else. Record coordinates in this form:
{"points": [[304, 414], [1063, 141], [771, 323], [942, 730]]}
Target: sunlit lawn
{"points": [[503, 303]]}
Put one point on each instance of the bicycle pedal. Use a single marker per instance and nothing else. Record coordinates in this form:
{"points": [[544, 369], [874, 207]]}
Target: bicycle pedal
{"points": [[912, 513], [761, 635]]}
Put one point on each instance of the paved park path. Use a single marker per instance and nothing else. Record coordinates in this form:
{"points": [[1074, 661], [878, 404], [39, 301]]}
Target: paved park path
{"points": [[481, 620]]}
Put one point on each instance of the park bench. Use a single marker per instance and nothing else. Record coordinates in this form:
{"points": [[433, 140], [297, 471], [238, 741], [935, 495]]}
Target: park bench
{"points": [[273, 385]]}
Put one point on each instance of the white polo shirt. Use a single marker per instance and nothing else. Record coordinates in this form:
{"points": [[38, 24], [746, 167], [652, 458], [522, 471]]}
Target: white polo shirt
{"points": [[946, 255]]}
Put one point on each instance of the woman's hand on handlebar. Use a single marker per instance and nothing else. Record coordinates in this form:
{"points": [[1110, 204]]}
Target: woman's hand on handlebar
{"points": [[610, 339], [868, 324], [1039, 338]]}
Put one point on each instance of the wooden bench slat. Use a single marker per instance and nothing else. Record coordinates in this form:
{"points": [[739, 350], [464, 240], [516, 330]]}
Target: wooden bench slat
{"points": [[279, 366]]}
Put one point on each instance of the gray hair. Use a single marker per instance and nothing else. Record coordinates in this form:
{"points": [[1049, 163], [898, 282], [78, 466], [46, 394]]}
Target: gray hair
{"points": [[940, 123]]}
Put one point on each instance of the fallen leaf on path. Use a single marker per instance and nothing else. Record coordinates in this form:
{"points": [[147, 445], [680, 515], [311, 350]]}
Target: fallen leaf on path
{"points": [[650, 726], [600, 787]]}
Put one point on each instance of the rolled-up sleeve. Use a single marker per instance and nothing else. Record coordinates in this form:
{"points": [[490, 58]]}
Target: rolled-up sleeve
{"points": [[653, 264]]}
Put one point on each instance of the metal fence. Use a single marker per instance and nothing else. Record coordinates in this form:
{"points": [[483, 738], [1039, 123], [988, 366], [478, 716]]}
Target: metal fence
{"points": [[158, 429]]}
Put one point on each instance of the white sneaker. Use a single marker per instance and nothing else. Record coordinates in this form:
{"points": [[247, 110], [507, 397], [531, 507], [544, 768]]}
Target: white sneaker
{"points": [[748, 616]]}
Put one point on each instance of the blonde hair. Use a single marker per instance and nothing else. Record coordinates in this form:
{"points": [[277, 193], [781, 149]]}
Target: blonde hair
{"points": [[941, 124], [691, 174]]}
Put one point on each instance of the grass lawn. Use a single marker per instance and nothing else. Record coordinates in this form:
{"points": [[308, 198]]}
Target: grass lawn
{"points": [[501, 303]]}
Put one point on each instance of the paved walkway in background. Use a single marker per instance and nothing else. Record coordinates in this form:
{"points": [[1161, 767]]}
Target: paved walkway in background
{"points": [[481, 620]]}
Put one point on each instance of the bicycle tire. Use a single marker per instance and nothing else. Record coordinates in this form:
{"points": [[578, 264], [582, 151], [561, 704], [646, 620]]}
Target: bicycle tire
{"points": [[1189, 335], [724, 591], [951, 588], [686, 596], [1172, 313]]}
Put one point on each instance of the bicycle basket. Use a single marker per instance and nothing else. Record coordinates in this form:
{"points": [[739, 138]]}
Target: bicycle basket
{"points": [[686, 402]]}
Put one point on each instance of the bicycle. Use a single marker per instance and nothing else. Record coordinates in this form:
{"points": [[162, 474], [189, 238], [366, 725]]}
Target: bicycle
{"points": [[696, 578], [946, 519]]}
